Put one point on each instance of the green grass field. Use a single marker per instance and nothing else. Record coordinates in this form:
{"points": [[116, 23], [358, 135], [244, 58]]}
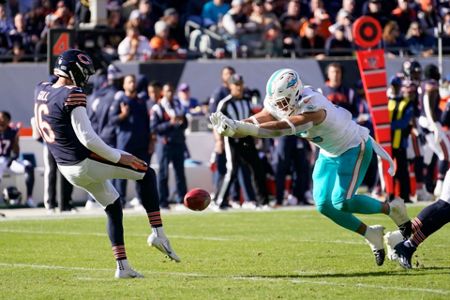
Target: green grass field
{"points": [[287, 254]]}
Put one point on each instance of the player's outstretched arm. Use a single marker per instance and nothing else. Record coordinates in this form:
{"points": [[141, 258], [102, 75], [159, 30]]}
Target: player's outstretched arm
{"points": [[261, 117], [87, 136], [289, 126]]}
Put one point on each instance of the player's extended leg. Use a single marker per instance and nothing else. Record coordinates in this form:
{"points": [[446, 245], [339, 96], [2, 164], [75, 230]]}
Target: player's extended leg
{"points": [[150, 201], [95, 182], [104, 193], [428, 221], [341, 176], [351, 170]]}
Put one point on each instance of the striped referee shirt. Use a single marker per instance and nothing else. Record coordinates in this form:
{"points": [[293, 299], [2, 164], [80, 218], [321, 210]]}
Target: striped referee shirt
{"points": [[236, 109]]}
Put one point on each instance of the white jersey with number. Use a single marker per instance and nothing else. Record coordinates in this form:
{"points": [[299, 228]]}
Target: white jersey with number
{"points": [[338, 132]]}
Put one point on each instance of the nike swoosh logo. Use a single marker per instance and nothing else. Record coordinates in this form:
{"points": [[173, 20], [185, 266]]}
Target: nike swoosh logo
{"points": [[167, 250]]}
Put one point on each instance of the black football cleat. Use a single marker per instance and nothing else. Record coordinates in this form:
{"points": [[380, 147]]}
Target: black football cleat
{"points": [[404, 255], [379, 256]]}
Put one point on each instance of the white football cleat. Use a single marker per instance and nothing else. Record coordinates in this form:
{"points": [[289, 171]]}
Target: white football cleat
{"points": [[398, 211], [392, 238], [127, 273], [374, 237], [162, 244]]}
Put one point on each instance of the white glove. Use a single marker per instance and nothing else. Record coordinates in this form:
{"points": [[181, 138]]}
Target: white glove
{"points": [[222, 124]]}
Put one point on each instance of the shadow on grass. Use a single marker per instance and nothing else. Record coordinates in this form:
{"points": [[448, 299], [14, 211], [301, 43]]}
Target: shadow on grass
{"points": [[413, 272]]}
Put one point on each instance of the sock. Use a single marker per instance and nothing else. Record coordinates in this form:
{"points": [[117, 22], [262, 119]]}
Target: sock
{"points": [[429, 220], [154, 218], [122, 264], [119, 252]]}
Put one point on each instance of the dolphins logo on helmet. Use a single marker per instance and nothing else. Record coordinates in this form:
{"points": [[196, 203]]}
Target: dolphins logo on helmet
{"points": [[283, 93]]}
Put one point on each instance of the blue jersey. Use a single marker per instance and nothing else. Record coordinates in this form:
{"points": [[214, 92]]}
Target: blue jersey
{"points": [[7, 139], [52, 112], [134, 131]]}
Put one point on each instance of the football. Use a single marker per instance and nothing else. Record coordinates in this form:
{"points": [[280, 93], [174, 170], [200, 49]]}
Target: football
{"points": [[197, 199]]}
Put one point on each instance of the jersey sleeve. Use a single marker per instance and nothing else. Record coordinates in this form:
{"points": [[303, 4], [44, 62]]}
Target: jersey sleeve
{"points": [[312, 102], [75, 98]]}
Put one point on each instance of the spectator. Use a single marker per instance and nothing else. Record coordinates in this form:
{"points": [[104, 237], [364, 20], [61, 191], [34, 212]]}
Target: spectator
{"points": [[403, 14], [322, 20], [213, 11], [419, 42], [62, 17], [315, 5], [5, 23], [428, 17], [145, 17], [343, 18], [169, 123], [9, 156], [337, 44], [134, 46], [269, 28], [176, 29], [311, 43], [20, 36], [190, 105], [154, 92], [394, 43], [129, 114], [446, 33], [291, 38], [161, 45], [349, 7], [374, 10], [235, 23], [293, 9], [401, 112], [337, 92]]}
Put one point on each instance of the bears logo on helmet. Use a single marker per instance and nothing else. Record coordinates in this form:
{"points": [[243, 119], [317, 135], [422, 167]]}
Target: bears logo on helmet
{"points": [[74, 65]]}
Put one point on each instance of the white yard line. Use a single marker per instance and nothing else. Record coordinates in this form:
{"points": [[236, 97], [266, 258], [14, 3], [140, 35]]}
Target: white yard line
{"points": [[184, 237], [240, 278]]}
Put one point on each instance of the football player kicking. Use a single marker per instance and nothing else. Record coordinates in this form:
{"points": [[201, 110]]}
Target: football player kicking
{"points": [[428, 221], [346, 151], [86, 161]]}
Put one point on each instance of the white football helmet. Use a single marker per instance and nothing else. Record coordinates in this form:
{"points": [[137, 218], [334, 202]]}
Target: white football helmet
{"points": [[283, 93]]}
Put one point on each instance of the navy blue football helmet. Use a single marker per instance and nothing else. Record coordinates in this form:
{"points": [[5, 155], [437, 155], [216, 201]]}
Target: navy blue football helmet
{"points": [[74, 65]]}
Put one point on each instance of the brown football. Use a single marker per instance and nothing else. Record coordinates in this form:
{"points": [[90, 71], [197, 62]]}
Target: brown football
{"points": [[197, 199]]}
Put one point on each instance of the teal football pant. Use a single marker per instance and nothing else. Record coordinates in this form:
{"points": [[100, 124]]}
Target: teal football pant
{"points": [[336, 180]]}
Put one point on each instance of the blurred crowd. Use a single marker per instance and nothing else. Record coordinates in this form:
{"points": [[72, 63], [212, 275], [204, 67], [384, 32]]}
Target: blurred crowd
{"points": [[145, 118], [143, 30]]}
